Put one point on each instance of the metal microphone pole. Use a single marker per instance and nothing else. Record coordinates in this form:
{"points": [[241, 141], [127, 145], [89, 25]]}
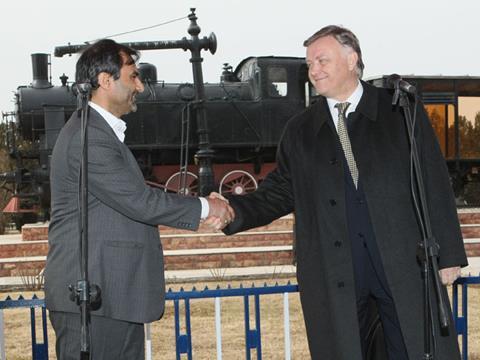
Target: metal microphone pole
{"points": [[428, 248], [86, 295]]}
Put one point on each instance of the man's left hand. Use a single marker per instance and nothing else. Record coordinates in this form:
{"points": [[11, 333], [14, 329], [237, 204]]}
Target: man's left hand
{"points": [[449, 275]]}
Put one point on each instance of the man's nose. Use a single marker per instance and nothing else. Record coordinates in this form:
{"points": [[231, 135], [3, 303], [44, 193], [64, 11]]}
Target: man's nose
{"points": [[314, 68], [139, 85]]}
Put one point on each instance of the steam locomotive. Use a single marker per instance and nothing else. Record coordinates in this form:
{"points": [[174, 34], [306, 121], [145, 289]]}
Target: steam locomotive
{"points": [[226, 132], [245, 114]]}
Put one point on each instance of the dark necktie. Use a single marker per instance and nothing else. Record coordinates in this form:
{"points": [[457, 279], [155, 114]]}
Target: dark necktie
{"points": [[345, 141]]}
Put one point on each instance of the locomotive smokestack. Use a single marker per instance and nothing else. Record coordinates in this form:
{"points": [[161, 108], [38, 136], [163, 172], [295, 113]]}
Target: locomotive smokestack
{"points": [[40, 71]]}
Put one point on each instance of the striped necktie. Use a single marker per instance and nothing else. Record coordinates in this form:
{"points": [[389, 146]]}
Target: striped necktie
{"points": [[345, 141]]}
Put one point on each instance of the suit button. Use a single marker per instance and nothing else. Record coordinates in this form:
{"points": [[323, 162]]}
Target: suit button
{"points": [[332, 202], [338, 243], [360, 201], [340, 284], [333, 161], [360, 235]]}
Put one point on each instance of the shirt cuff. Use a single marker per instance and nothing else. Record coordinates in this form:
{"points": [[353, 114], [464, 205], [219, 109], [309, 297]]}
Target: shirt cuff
{"points": [[205, 208]]}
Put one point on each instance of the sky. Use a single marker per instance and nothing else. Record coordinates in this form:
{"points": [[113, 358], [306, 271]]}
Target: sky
{"points": [[421, 37]]}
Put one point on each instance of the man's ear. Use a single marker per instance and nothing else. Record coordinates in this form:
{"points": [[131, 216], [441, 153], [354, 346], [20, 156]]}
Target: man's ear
{"points": [[352, 60], [104, 80]]}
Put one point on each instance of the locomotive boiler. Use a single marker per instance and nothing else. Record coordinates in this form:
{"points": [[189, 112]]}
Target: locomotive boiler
{"points": [[243, 116]]}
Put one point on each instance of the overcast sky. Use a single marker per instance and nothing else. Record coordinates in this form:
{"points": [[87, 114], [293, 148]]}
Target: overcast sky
{"points": [[422, 37]]}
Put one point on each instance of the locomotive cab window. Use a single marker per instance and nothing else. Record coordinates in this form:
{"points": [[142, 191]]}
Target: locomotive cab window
{"points": [[277, 82], [442, 118], [469, 126]]}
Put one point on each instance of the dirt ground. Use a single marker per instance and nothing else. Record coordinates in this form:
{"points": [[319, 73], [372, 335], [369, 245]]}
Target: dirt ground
{"points": [[18, 343]]}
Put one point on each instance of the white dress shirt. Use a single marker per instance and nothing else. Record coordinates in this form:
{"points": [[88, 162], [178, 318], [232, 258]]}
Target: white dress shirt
{"points": [[353, 99]]}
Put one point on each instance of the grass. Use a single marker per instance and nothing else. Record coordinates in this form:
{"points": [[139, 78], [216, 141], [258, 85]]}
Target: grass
{"points": [[18, 346]]}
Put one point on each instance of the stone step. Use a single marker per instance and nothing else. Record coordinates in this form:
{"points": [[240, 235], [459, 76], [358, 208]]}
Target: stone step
{"points": [[20, 249], [39, 231], [23, 249], [22, 266], [284, 223], [226, 258], [469, 216], [472, 247], [14, 247], [470, 230], [219, 240], [184, 250], [206, 258], [177, 259]]}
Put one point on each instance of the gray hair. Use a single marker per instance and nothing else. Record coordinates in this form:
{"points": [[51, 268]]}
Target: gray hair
{"points": [[345, 37]]}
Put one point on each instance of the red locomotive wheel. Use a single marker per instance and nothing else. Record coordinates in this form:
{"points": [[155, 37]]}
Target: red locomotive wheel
{"points": [[238, 182], [187, 185]]}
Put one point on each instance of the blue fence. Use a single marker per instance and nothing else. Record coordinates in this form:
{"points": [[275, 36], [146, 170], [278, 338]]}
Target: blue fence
{"points": [[461, 321], [253, 341]]}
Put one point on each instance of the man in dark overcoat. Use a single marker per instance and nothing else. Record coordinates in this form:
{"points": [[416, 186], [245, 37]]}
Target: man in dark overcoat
{"points": [[356, 228]]}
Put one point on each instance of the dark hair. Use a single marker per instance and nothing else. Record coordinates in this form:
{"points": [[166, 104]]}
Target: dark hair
{"points": [[102, 56], [345, 37]]}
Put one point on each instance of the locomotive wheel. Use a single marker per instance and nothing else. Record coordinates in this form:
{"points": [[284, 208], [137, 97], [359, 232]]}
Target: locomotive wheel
{"points": [[238, 182], [190, 186]]}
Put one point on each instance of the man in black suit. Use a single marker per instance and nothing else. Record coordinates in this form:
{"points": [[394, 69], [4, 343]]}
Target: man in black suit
{"points": [[125, 253], [343, 167]]}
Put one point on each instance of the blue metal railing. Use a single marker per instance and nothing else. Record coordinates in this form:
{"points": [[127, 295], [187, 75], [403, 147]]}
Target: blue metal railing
{"points": [[461, 322], [252, 336], [39, 349], [183, 341]]}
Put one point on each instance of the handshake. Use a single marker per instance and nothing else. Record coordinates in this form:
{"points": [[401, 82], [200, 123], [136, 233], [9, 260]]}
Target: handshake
{"points": [[220, 212]]}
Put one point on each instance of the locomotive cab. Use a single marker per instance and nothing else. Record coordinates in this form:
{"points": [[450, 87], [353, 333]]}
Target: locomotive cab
{"points": [[453, 106], [275, 77]]}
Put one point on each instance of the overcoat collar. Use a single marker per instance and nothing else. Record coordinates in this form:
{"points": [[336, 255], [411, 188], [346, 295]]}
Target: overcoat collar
{"points": [[368, 106]]}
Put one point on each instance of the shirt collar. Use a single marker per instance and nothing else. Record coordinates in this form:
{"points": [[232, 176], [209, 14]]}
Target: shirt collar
{"points": [[118, 125], [353, 99]]}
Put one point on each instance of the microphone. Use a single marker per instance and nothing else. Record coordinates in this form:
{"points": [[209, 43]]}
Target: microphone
{"points": [[396, 82]]}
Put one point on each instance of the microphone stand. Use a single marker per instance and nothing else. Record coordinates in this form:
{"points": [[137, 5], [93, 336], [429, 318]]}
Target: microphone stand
{"points": [[428, 247], [86, 295]]}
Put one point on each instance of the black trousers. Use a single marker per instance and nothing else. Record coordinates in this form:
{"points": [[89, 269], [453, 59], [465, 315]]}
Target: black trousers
{"points": [[371, 288], [110, 339]]}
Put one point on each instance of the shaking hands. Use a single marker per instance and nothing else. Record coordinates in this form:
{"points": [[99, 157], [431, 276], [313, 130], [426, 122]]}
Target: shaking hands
{"points": [[221, 213]]}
